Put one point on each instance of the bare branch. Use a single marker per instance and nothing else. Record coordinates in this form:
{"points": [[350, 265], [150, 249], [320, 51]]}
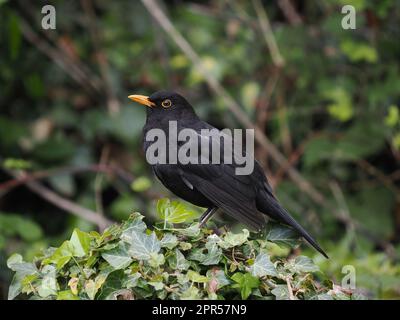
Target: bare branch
{"points": [[290, 12], [63, 61], [65, 204], [268, 34]]}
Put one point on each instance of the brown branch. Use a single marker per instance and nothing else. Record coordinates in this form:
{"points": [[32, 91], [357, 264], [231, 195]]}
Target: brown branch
{"points": [[379, 175], [63, 61], [65, 204], [268, 34], [38, 175], [290, 12], [263, 105]]}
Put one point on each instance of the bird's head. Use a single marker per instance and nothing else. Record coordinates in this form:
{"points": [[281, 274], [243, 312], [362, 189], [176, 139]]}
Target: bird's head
{"points": [[165, 104]]}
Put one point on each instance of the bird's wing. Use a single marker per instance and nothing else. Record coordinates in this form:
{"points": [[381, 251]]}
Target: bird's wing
{"points": [[234, 194]]}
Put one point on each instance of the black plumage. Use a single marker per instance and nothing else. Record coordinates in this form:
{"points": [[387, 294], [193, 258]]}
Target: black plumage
{"points": [[247, 198]]}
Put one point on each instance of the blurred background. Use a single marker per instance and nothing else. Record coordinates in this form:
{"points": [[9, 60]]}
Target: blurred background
{"points": [[325, 100]]}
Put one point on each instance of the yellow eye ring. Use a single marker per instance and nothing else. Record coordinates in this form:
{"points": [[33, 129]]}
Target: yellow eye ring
{"points": [[166, 103]]}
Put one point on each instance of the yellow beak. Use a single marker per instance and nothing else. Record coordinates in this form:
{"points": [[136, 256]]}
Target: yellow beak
{"points": [[142, 100]]}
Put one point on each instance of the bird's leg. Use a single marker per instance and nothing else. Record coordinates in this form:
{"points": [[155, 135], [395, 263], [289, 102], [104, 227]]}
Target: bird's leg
{"points": [[207, 215]]}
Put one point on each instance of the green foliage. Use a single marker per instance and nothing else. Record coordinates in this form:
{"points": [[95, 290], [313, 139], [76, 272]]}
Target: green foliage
{"points": [[174, 212], [15, 225], [129, 261]]}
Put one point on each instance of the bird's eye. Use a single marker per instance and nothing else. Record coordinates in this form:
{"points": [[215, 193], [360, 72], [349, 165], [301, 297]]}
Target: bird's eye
{"points": [[166, 103]]}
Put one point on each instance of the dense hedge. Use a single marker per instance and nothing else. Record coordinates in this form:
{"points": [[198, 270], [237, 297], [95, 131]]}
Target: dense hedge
{"points": [[130, 261]]}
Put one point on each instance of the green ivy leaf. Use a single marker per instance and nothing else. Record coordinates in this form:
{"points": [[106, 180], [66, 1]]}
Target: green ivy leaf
{"points": [[174, 211], [192, 293], [156, 260], [49, 285], [246, 283], [143, 245], [169, 241], [234, 239], [80, 241], [66, 295], [61, 255], [281, 292], [192, 231], [118, 257], [178, 261], [263, 266], [134, 224], [214, 253], [280, 234], [196, 277], [304, 264]]}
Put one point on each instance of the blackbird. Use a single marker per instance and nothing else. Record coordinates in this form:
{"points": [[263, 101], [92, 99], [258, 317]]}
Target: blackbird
{"points": [[247, 198]]}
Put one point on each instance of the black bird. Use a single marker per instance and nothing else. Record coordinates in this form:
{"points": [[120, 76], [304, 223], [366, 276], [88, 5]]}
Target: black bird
{"points": [[247, 198]]}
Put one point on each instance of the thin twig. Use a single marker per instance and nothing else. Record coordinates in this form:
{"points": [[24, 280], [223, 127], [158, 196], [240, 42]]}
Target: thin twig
{"points": [[263, 105], [60, 59], [385, 180], [290, 12], [344, 209], [39, 175], [268, 34], [65, 204], [289, 287]]}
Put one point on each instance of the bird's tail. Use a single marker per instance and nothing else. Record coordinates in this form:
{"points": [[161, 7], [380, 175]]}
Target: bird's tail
{"points": [[276, 211]]}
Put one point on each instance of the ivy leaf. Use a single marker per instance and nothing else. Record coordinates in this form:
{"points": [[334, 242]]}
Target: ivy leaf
{"points": [[192, 231], [134, 224], [304, 264], [192, 293], [143, 245], [280, 234], [196, 277], [246, 283], [214, 253], [66, 295], [22, 270], [263, 266], [49, 284], [118, 257], [217, 278], [15, 287], [113, 283], [16, 264], [178, 261], [234, 239], [169, 241], [132, 280], [80, 242], [281, 292], [61, 255], [90, 289], [156, 260], [157, 285], [174, 211]]}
